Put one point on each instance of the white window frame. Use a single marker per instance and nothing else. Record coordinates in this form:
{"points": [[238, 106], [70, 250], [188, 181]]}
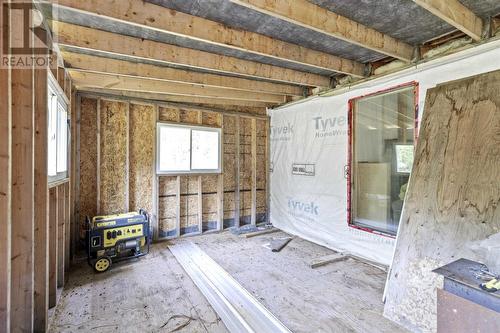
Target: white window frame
{"points": [[62, 101], [191, 170]]}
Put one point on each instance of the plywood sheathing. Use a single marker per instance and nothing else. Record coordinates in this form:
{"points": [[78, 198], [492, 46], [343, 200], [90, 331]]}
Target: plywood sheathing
{"points": [[113, 157], [245, 168], [452, 198], [88, 158], [141, 156]]}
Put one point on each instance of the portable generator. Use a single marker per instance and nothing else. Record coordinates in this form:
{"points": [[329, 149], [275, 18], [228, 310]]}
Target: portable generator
{"points": [[117, 237]]}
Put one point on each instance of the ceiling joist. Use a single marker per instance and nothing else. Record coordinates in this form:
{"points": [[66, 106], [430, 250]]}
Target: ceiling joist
{"points": [[142, 70], [151, 16], [455, 14], [112, 43], [118, 82], [173, 98], [310, 16]]}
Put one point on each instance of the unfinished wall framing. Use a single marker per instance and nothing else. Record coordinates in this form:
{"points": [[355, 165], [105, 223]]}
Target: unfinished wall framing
{"points": [[116, 168]]}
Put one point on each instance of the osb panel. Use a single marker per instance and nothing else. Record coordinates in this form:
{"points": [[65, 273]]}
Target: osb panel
{"points": [[229, 172], [167, 207], [261, 172], [245, 199], [88, 157], [453, 197], [212, 119], [113, 168], [168, 114], [209, 183], [229, 205], [189, 116], [167, 185], [189, 209], [209, 202], [141, 158], [229, 125], [261, 201], [166, 224], [261, 127], [189, 184]]}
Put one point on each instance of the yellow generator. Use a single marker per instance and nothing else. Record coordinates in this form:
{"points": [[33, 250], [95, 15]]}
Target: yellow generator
{"points": [[118, 237]]}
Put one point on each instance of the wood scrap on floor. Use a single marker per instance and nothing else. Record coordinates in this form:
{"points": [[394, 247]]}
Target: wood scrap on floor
{"points": [[260, 232], [341, 256], [331, 258]]}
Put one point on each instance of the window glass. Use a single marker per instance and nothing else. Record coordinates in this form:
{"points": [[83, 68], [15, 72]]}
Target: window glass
{"points": [[52, 134], [174, 149], [57, 132], [187, 149], [382, 158], [205, 150], [62, 139]]}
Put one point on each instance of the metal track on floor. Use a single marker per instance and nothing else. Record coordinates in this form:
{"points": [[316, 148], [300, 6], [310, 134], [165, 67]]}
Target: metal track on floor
{"points": [[237, 308]]}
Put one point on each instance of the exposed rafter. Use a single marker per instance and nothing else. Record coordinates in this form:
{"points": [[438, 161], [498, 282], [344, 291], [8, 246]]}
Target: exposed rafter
{"points": [[308, 15], [455, 14], [112, 43], [151, 16], [119, 82], [141, 70]]}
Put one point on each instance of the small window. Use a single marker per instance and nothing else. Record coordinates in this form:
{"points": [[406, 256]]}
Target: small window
{"points": [[58, 128], [188, 149], [382, 146]]}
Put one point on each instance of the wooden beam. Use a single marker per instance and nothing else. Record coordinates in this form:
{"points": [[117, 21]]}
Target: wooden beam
{"points": [[455, 14], [172, 98], [53, 218], [5, 190], [115, 66], [21, 314], [310, 16], [112, 43], [147, 15], [119, 82], [41, 250], [61, 214], [237, 172], [253, 148]]}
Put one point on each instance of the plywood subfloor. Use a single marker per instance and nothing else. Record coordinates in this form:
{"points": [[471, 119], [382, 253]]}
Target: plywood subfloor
{"points": [[141, 296]]}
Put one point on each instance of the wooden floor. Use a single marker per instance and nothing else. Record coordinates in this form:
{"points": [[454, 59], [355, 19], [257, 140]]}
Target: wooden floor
{"points": [[154, 294]]}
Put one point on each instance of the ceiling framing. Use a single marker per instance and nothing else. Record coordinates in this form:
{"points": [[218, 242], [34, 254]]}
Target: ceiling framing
{"points": [[245, 53]]}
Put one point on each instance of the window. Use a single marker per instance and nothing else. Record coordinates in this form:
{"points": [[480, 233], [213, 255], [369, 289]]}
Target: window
{"points": [[382, 146], [57, 122], [188, 149]]}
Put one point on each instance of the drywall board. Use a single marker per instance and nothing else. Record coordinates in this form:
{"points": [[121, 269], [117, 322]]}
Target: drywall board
{"points": [[88, 157], [141, 156], [293, 147], [113, 157], [452, 197], [408, 21], [236, 16]]}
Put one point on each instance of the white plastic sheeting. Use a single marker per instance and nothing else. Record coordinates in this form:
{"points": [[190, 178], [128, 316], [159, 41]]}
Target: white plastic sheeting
{"points": [[309, 147]]}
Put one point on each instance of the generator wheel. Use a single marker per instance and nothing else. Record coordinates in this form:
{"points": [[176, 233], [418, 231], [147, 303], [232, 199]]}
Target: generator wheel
{"points": [[102, 264]]}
